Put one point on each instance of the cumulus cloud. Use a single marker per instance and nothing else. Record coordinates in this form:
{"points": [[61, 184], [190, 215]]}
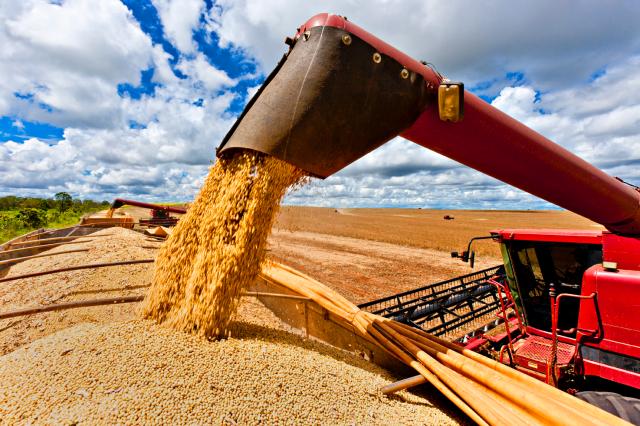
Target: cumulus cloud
{"points": [[72, 57], [556, 43], [179, 18], [202, 72], [61, 63]]}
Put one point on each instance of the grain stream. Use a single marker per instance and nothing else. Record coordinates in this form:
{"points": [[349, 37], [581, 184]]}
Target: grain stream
{"points": [[216, 249]]}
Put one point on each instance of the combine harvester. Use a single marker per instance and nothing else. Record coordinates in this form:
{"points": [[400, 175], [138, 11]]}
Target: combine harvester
{"points": [[340, 93]]}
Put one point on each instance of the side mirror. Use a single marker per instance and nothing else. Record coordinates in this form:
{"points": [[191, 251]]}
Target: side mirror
{"points": [[464, 256]]}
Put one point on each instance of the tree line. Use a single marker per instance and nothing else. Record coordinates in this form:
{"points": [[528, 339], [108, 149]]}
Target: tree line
{"points": [[61, 201], [22, 214]]}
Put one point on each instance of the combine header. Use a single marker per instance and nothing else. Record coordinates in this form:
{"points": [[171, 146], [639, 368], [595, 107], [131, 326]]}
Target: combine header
{"points": [[443, 308]]}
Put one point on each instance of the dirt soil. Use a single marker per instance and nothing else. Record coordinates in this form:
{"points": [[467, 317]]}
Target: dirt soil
{"points": [[425, 228], [365, 270]]}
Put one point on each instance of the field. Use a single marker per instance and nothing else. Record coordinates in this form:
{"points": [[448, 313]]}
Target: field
{"points": [[371, 253], [364, 254]]}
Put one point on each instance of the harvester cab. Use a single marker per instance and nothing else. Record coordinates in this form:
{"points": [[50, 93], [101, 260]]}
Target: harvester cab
{"points": [[340, 92]]}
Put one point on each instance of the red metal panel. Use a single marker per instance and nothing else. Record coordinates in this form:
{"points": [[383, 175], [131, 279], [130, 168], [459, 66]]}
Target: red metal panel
{"points": [[494, 143], [551, 235], [618, 299], [588, 314], [616, 318], [625, 251], [614, 374]]}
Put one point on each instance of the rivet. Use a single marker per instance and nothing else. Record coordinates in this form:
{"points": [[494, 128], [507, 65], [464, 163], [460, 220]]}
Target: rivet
{"points": [[404, 73], [377, 58], [346, 39]]}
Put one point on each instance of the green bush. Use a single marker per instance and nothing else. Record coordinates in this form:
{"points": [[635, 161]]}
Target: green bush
{"points": [[32, 218]]}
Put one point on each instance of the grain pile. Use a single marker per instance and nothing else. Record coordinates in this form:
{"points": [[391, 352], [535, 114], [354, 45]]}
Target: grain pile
{"points": [[216, 249], [137, 372], [107, 245]]}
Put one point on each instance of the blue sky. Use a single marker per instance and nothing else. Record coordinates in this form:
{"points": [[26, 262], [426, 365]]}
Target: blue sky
{"points": [[106, 99]]}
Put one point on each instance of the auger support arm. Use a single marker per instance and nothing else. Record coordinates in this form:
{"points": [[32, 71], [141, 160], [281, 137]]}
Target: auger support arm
{"points": [[119, 202]]}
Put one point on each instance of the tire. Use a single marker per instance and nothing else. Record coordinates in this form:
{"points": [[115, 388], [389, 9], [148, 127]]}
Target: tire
{"points": [[625, 407]]}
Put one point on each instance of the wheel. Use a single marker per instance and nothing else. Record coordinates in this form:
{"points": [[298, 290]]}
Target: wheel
{"points": [[625, 407]]}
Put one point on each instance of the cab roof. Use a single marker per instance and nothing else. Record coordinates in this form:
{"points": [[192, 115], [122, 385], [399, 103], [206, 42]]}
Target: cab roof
{"points": [[551, 235]]}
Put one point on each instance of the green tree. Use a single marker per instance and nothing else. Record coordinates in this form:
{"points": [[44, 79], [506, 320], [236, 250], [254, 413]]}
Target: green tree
{"points": [[64, 201]]}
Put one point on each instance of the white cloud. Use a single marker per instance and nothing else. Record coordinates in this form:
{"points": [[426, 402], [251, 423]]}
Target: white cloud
{"points": [[203, 72], [179, 18], [76, 70], [599, 121], [66, 60], [556, 43]]}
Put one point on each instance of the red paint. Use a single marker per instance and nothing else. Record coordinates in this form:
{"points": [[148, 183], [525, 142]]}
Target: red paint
{"points": [[542, 333], [618, 306], [551, 235], [623, 250], [607, 372]]}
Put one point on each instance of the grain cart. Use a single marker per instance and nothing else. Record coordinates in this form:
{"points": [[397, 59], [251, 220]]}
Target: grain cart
{"points": [[340, 92], [160, 215]]}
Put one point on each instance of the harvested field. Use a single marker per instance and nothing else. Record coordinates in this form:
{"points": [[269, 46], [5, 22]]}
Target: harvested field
{"points": [[139, 372], [366, 254], [424, 228], [365, 270]]}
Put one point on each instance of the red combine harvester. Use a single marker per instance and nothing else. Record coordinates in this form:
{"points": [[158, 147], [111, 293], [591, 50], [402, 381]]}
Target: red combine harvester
{"points": [[340, 92], [570, 300], [160, 215]]}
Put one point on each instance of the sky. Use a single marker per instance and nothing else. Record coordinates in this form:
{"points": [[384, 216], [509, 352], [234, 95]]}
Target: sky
{"points": [[109, 98]]}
